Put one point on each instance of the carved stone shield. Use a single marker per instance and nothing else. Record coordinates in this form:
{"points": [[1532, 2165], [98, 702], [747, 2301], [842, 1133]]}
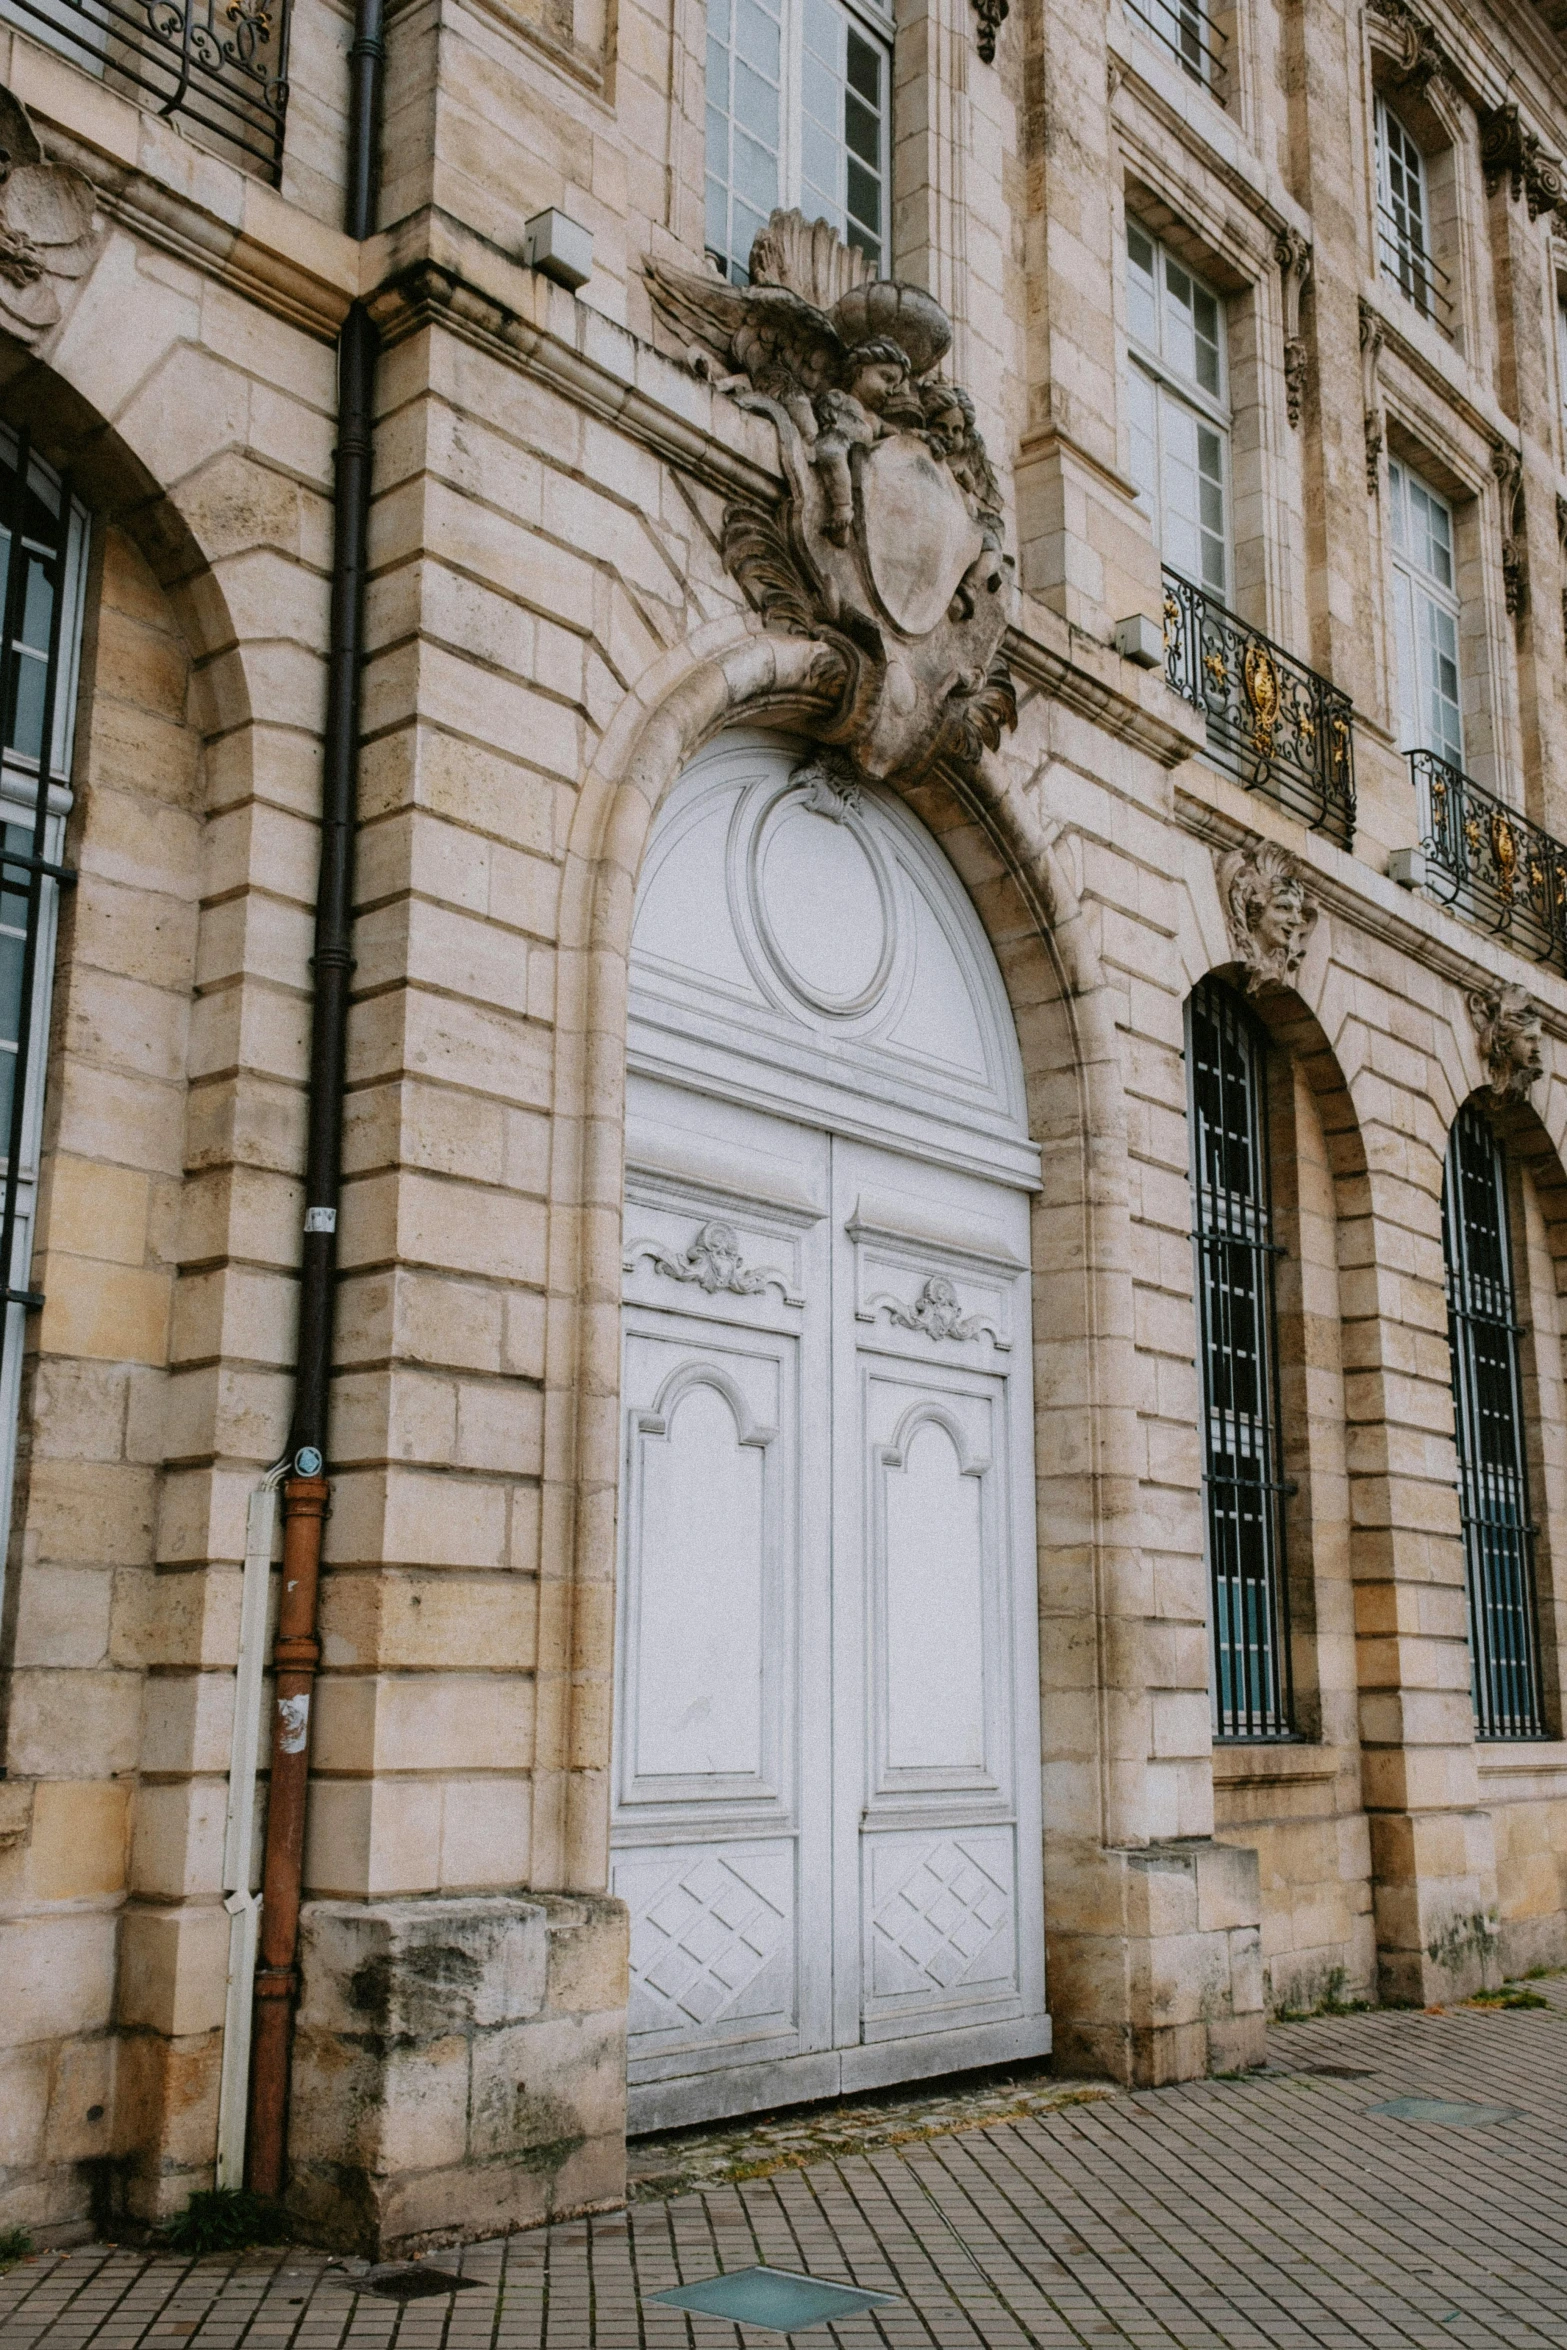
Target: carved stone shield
{"points": [[918, 535]]}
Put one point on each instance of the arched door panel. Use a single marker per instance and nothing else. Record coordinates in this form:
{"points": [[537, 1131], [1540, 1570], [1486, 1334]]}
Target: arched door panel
{"points": [[826, 1815]]}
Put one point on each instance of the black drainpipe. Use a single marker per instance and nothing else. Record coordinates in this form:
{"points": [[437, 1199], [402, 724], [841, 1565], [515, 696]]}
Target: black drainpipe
{"points": [[307, 1491]]}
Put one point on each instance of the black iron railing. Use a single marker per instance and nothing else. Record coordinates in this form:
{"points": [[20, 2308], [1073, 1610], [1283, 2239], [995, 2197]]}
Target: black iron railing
{"points": [[222, 65], [1188, 31], [1275, 724], [1489, 863], [1417, 276]]}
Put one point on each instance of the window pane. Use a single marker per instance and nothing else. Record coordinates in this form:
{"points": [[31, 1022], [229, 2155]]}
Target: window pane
{"points": [[744, 56], [1143, 440], [1141, 310], [1482, 1324], [1233, 1239]]}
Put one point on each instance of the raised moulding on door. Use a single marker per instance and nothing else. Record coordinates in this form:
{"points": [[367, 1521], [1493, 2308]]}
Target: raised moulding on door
{"points": [[888, 547]]}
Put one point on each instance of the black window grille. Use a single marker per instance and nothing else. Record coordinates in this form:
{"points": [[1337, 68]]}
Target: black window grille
{"points": [[43, 536], [1493, 1486], [1242, 1441]]}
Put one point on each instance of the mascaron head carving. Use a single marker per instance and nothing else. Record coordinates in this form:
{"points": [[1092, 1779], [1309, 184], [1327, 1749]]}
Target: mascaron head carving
{"points": [[1269, 915], [887, 547], [1507, 1027], [46, 228]]}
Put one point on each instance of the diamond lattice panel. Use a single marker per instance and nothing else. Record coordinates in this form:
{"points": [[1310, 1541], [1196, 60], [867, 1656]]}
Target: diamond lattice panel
{"points": [[939, 1922], [701, 1943]]}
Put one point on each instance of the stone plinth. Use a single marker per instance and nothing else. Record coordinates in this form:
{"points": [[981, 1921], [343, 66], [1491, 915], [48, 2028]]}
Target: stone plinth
{"points": [[459, 2068]]}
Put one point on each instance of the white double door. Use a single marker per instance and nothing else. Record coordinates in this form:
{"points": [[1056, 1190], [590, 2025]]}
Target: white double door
{"points": [[826, 1817]]}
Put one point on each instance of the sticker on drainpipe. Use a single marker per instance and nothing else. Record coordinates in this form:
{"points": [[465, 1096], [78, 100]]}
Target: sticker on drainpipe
{"points": [[320, 1219], [293, 1717]]}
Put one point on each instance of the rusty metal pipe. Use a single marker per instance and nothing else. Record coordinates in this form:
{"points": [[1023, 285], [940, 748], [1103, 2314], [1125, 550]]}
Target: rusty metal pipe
{"points": [[296, 1656]]}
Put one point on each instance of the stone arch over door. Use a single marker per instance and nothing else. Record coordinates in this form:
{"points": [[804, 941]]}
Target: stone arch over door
{"points": [[1098, 1628]]}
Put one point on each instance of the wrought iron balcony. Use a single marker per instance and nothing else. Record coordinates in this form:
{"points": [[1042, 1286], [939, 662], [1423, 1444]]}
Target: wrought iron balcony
{"points": [[1489, 863], [1276, 725], [220, 64]]}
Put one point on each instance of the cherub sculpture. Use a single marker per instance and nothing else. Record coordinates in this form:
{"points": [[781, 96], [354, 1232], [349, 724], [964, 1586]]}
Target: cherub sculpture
{"points": [[845, 377], [886, 542]]}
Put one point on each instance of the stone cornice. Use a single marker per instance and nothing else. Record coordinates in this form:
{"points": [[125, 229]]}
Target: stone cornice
{"points": [[245, 235], [1134, 705], [427, 292], [1354, 892]]}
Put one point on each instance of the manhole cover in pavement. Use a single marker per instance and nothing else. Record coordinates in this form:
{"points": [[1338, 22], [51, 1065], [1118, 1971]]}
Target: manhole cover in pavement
{"points": [[406, 2281], [1452, 2113], [773, 2297]]}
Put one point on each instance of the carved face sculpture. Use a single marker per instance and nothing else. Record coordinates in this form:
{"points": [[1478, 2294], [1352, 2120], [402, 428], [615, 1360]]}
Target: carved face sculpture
{"points": [[1518, 1047], [1279, 923]]}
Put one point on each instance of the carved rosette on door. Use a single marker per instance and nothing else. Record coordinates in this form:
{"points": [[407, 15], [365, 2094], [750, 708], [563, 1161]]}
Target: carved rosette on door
{"points": [[826, 1774]]}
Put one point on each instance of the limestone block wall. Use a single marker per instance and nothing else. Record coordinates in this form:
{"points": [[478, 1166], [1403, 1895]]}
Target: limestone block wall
{"points": [[82, 1829]]}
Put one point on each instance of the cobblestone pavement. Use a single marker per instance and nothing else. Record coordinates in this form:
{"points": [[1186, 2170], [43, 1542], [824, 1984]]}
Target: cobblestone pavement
{"points": [[1277, 2208]]}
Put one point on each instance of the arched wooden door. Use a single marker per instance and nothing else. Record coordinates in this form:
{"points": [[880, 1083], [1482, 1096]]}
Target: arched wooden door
{"points": [[826, 1801]]}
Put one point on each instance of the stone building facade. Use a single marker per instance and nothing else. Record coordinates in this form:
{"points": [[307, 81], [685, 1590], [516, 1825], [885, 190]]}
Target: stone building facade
{"points": [[1269, 295]]}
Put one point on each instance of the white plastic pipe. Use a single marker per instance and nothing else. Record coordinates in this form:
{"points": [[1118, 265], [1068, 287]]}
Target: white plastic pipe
{"points": [[241, 1899]]}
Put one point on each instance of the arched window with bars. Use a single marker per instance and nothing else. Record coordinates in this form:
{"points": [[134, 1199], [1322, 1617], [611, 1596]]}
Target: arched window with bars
{"points": [[1493, 1483], [1243, 1491], [43, 573]]}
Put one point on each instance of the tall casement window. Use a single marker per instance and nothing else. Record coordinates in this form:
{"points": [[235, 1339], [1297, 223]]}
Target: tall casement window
{"points": [[1426, 617], [1226, 1059], [799, 108], [43, 538], [1177, 403], [1482, 1330], [1404, 220]]}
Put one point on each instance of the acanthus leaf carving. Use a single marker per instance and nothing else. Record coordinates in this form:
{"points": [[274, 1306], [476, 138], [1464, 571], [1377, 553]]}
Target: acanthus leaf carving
{"points": [[1507, 1030], [1372, 333], [1292, 251], [1510, 151], [712, 1261], [46, 228], [1420, 58], [937, 1312], [1268, 913], [887, 547], [1507, 465], [991, 15]]}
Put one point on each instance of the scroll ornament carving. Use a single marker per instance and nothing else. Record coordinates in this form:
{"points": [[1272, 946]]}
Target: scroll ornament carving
{"points": [[1268, 913], [1507, 1028], [713, 1262], [937, 1312], [1510, 151], [887, 547], [46, 228], [1420, 58], [1292, 252], [991, 15], [1507, 466]]}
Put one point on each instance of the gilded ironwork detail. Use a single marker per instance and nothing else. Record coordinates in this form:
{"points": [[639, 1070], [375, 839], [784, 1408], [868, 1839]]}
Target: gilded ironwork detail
{"points": [[1491, 864], [1277, 726]]}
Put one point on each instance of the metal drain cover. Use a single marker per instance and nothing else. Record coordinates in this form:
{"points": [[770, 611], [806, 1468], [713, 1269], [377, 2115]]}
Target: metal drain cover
{"points": [[1339, 2072], [408, 2280], [774, 2297], [1451, 2113]]}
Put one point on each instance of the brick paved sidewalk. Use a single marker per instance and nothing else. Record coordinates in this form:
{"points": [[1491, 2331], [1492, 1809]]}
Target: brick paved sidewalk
{"points": [[1276, 2209]]}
